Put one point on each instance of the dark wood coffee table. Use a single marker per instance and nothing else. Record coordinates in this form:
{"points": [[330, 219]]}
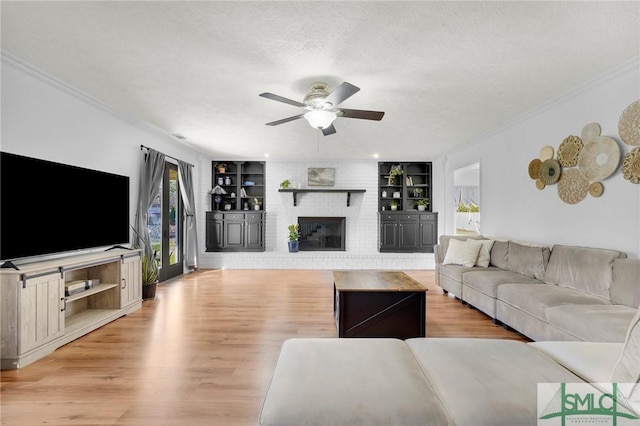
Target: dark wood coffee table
{"points": [[378, 304]]}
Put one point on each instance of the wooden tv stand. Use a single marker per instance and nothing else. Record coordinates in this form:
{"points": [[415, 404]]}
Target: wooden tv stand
{"points": [[37, 317]]}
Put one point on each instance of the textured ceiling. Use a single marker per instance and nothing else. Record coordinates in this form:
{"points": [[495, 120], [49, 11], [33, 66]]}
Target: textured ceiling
{"points": [[445, 73]]}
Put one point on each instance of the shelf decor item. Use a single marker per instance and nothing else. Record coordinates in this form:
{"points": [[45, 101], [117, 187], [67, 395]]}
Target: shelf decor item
{"points": [[256, 204], [285, 184], [294, 237], [221, 167], [394, 205], [394, 171], [422, 204]]}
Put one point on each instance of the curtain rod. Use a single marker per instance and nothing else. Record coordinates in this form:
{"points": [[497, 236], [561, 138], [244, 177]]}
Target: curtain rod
{"points": [[173, 158]]}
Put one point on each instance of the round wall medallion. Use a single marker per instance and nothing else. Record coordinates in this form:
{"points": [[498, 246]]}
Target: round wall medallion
{"points": [[546, 153], [572, 186], [599, 158], [534, 168], [631, 166], [590, 131], [596, 189], [549, 171], [569, 151], [629, 124]]}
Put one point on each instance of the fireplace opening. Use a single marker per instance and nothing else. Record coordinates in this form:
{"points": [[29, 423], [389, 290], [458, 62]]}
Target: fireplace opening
{"points": [[322, 233]]}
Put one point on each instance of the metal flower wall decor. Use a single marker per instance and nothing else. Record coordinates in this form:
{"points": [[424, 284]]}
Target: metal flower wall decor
{"points": [[581, 163]]}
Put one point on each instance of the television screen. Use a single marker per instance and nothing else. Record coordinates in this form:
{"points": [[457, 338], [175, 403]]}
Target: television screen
{"points": [[48, 208]]}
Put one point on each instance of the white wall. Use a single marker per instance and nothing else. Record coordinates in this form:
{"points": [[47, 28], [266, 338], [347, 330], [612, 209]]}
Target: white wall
{"points": [[46, 119], [512, 207]]}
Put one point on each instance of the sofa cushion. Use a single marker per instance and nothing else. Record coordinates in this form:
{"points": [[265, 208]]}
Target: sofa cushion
{"points": [[499, 254], [592, 361], [592, 323], [487, 381], [487, 282], [463, 253], [528, 260], [582, 268], [321, 381], [625, 288], [484, 256], [535, 299]]}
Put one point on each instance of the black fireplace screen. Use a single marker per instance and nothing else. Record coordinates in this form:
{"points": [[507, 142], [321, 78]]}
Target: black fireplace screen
{"points": [[322, 233]]}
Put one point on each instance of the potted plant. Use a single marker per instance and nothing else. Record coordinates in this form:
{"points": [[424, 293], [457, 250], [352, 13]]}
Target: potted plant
{"points": [[394, 205], [417, 192], [395, 170], [422, 204], [150, 271], [294, 237], [256, 204], [285, 184]]}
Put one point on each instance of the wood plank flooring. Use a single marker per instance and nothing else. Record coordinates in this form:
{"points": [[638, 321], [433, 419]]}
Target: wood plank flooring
{"points": [[201, 353]]}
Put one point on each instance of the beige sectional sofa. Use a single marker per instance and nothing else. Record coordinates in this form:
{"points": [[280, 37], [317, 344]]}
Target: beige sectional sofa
{"points": [[559, 293], [437, 381]]}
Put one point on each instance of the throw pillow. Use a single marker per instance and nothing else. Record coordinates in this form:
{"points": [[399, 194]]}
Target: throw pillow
{"points": [[463, 253], [484, 257]]}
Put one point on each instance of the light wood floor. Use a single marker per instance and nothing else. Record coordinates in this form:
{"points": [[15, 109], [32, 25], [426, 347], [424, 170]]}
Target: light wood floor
{"points": [[202, 353]]}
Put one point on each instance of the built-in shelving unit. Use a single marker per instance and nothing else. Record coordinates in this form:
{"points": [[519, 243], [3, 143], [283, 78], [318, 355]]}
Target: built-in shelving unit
{"points": [[404, 227], [238, 207]]}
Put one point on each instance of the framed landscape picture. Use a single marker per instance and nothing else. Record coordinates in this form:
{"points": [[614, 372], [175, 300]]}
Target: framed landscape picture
{"points": [[317, 176]]}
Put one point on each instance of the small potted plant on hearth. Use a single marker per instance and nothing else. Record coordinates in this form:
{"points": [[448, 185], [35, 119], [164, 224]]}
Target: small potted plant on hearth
{"points": [[294, 237], [422, 204]]}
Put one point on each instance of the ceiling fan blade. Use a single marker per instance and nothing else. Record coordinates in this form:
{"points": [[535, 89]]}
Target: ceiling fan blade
{"points": [[329, 130], [285, 120], [363, 114], [281, 99], [341, 93]]}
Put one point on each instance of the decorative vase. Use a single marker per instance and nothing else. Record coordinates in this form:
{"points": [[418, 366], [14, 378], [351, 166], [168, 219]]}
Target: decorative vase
{"points": [[293, 246], [256, 207], [227, 180], [421, 208], [394, 207], [149, 291]]}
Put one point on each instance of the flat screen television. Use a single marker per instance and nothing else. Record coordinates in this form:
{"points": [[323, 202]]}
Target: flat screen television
{"points": [[49, 208]]}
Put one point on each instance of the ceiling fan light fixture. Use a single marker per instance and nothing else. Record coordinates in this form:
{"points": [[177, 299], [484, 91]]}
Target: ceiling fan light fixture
{"points": [[320, 119]]}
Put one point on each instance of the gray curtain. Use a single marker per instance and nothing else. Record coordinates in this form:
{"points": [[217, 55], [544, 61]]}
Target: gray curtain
{"points": [[185, 177], [151, 172]]}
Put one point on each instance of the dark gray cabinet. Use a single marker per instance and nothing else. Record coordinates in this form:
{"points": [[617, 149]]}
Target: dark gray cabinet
{"points": [[408, 232], [235, 231]]}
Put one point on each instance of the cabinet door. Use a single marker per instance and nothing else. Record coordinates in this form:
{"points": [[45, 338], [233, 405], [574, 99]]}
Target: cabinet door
{"points": [[233, 234], [254, 234], [130, 281], [408, 235], [214, 239], [428, 235], [41, 311], [388, 234]]}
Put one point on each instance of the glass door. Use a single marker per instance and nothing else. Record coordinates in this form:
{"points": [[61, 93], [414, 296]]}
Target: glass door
{"points": [[165, 225]]}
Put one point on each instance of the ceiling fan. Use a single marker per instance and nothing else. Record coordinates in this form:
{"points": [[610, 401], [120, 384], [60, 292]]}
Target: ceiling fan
{"points": [[322, 107]]}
